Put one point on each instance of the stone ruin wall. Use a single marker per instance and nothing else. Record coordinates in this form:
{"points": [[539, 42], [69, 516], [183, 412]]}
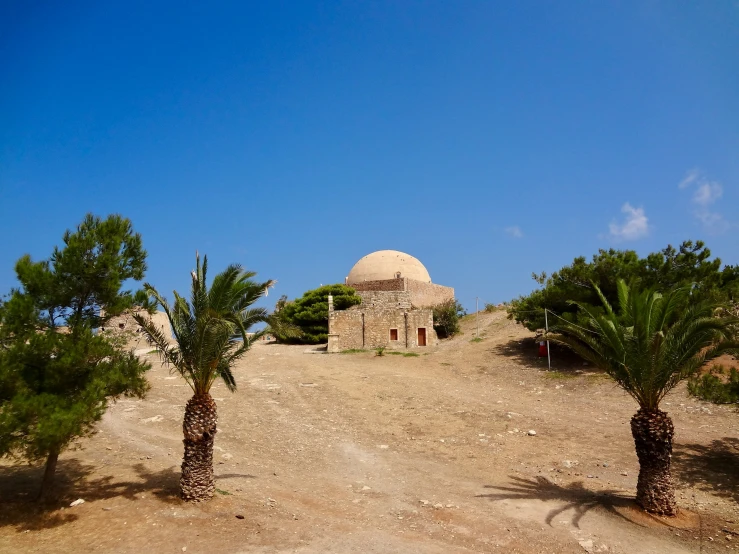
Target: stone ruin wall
{"points": [[124, 324]]}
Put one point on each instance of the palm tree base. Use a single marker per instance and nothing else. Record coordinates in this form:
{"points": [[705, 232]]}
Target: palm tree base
{"points": [[653, 431], [199, 426]]}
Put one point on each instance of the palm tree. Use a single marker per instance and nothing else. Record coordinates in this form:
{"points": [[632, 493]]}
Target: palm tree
{"points": [[210, 335], [654, 343]]}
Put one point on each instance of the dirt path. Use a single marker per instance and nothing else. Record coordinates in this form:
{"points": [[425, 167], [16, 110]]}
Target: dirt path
{"points": [[359, 453]]}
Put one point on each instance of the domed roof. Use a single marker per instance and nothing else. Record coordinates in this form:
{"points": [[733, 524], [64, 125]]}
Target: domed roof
{"points": [[388, 264]]}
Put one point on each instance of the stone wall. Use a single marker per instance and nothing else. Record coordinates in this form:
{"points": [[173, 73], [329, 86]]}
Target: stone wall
{"points": [[421, 295], [362, 327], [387, 284], [385, 299], [124, 324], [424, 295]]}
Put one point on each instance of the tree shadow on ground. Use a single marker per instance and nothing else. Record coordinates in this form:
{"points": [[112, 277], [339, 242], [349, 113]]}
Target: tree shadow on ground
{"points": [[526, 352], [575, 496], [710, 468], [19, 486]]}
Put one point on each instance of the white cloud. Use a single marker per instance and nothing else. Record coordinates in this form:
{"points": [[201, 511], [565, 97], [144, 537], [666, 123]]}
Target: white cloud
{"points": [[635, 225], [514, 231], [705, 195], [689, 178]]}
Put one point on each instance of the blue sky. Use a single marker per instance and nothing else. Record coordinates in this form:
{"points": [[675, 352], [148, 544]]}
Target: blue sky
{"points": [[488, 139]]}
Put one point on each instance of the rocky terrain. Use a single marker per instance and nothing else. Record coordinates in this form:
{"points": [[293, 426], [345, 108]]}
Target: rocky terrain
{"points": [[471, 446]]}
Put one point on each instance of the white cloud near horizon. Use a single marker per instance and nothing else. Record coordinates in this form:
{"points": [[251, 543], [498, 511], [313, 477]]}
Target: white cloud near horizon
{"points": [[634, 226], [705, 195], [514, 231]]}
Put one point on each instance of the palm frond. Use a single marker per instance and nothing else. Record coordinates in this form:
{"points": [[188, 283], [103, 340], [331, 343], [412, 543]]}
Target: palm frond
{"points": [[211, 330], [650, 345]]}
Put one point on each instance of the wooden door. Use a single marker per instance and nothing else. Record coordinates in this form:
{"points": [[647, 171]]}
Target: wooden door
{"points": [[422, 336]]}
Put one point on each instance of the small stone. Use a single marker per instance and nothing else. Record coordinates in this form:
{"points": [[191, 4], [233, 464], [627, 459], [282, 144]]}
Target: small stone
{"points": [[76, 503], [384, 446], [450, 505], [605, 464], [591, 476], [239, 516], [438, 506], [184, 549], [424, 502], [226, 456], [366, 488], [625, 474], [531, 433]]}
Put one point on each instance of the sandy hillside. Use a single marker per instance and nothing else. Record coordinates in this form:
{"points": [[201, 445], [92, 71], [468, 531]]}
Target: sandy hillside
{"points": [[358, 453]]}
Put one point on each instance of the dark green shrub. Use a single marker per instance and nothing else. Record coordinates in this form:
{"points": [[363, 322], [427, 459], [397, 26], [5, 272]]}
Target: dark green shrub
{"points": [[712, 388], [309, 313], [446, 318]]}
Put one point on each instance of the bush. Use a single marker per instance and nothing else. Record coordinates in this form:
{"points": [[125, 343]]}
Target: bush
{"points": [[446, 318], [309, 313], [715, 387], [670, 268]]}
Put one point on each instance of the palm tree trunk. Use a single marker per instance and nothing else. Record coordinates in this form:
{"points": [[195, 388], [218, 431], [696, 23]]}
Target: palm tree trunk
{"points": [[652, 431], [49, 473], [199, 427]]}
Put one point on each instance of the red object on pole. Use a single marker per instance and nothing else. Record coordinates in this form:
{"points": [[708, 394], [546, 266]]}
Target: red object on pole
{"points": [[542, 349]]}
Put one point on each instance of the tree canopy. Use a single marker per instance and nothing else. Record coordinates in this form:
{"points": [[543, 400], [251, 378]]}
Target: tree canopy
{"points": [[689, 265], [57, 373], [309, 313]]}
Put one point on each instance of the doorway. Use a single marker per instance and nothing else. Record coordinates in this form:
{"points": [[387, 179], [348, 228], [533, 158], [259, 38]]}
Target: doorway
{"points": [[422, 336]]}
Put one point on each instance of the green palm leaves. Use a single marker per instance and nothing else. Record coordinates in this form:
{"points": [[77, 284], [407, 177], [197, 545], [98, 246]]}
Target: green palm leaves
{"points": [[653, 343], [211, 330]]}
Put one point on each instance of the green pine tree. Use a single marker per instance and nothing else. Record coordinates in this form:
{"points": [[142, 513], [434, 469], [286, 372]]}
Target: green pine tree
{"points": [[57, 373]]}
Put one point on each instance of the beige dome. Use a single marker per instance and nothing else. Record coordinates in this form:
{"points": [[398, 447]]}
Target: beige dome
{"points": [[387, 264]]}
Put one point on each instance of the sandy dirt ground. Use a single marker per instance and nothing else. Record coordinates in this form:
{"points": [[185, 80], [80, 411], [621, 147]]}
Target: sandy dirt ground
{"points": [[359, 453]]}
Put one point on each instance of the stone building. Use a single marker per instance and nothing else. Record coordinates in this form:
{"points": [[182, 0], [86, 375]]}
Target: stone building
{"points": [[397, 305]]}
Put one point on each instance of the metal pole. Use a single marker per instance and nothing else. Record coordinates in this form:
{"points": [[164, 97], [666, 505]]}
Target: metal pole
{"points": [[477, 317], [546, 326]]}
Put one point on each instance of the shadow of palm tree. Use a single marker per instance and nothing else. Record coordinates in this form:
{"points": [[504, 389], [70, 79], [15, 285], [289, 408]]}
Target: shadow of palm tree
{"points": [[19, 487], [575, 497], [711, 468]]}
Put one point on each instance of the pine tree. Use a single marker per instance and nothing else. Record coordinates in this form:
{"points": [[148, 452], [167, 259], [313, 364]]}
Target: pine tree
{"points": [[57, 372]]}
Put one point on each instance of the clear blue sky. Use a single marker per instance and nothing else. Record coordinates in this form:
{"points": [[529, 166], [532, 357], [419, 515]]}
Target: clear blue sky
{"points": [[488, 139]]}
